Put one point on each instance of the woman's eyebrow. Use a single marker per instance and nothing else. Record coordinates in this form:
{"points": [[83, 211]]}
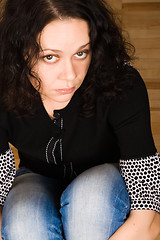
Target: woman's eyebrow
{"points": [[83, 46], [56, 50]]}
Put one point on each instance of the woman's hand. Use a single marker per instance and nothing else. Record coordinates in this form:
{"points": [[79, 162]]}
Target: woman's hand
{"points": [[141, 225]]}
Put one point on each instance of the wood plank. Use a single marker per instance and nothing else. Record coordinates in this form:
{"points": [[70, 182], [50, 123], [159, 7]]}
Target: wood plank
{"points": [[147, 63], [155, 125], [143, 33], [156, 129], [139, 6], [153, 85], [141, 18], [115, 4], [155, 116], [154, 98], [156, 80], [148, 53], [156, 140], [152, 43], [150, 74], [16, 156], [140, 1]]}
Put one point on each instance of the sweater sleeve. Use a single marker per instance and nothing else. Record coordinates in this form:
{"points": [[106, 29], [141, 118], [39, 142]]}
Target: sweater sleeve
{"points": [[7, 162], [7, 173], [140, 162]]}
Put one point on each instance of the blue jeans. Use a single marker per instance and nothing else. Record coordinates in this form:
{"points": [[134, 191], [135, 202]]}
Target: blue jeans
{"points": [[92, 207]]}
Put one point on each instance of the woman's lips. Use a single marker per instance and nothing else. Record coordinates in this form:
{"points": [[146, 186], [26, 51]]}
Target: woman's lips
{"points": [[65, 90]]}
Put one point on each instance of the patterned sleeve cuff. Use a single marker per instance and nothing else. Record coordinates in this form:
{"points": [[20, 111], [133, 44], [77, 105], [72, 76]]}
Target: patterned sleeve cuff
{"points": [[142, 178], [7, 173]]}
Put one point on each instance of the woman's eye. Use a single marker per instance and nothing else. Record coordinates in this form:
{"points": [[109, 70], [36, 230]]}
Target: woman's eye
{"points": [[50, 58], [81, 55]]}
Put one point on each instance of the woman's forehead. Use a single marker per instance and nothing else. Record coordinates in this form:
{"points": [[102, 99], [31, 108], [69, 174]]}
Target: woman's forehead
{"points": [[62, 34]]}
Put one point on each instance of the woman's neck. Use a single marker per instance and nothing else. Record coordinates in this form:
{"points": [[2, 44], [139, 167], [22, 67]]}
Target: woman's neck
{"points": [[50, 106]]}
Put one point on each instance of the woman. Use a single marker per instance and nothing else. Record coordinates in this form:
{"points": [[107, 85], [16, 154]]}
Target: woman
{"points": [[73, 106]]}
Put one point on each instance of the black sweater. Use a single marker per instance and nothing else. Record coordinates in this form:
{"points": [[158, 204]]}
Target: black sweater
{"points": [[69, 144]]}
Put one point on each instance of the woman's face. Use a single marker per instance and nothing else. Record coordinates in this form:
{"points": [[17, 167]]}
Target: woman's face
{"points": [[64, 60]]}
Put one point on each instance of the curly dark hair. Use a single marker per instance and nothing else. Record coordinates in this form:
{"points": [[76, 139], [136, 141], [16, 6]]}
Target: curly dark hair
{"points": [[23, 20]]}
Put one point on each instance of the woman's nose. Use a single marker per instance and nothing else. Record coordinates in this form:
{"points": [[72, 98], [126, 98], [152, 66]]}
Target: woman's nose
{"points": [[68, 71]]}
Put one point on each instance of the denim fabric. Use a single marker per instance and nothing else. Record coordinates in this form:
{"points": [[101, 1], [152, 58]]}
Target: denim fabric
{"points": [[92, 207], [22, 171]]}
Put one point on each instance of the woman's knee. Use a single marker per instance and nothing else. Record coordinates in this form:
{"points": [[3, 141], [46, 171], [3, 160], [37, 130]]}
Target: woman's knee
{"points": [[30, 211], [94, 200], [103, 181]]}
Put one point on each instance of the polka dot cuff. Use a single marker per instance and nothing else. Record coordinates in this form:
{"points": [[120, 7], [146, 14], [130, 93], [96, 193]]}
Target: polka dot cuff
{"points": [[142, 178], [7, 174]]}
